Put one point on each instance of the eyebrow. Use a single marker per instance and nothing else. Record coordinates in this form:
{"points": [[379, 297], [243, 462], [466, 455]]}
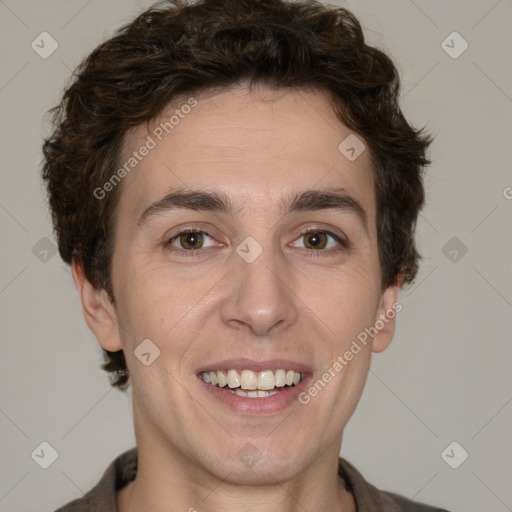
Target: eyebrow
{"points": [[218, 202]]}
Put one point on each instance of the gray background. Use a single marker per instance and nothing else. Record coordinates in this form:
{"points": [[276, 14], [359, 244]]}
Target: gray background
{"points": [[446, 377]]}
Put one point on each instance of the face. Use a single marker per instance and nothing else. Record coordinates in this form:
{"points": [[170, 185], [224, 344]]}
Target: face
{"points": [[279, 277]]}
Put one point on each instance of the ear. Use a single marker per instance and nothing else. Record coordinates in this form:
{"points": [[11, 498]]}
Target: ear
{"points": [[99, 312], [386, 315]]}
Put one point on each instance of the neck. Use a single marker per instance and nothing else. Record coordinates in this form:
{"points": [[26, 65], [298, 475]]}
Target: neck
{"points": [[162, 485], [170, 479]]}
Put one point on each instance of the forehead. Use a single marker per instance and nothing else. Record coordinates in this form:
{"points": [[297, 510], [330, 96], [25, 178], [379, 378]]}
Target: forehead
{"points": [[258, 148]]}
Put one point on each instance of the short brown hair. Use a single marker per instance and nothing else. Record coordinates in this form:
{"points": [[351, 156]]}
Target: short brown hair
{"points": [[175, 48]]}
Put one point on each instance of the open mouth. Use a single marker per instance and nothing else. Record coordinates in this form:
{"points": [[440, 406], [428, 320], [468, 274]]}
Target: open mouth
{"points": [[250, 384]]}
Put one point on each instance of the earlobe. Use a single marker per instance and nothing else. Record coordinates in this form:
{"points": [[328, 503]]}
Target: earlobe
{"points": [[98, 310], [386, 315]]}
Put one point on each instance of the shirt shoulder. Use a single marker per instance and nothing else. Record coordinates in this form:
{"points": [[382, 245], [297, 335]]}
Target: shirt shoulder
{"points": [[406, 505], [370, 499], [102, 497]]}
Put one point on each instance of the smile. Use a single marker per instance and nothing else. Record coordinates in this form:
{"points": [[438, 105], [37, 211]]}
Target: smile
{"points": [[248, 383]]}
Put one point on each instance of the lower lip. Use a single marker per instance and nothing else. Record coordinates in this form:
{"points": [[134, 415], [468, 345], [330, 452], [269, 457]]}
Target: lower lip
{"points": [[257, 406]]}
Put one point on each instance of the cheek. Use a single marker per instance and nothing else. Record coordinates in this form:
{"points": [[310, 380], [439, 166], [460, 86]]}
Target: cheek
{"points": [[148, 304], [346, 301], [164, 308]]}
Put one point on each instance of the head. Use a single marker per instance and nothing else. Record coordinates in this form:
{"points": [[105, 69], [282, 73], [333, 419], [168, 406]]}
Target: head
{"points": [[237, 112]]}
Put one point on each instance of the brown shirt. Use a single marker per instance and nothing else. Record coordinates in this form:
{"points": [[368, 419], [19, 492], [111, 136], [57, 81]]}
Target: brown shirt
{"points": [[123, 469]]}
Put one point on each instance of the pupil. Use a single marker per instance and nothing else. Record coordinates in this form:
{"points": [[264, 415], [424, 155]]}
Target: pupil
{"points": [[315, 238], [192, 239]]}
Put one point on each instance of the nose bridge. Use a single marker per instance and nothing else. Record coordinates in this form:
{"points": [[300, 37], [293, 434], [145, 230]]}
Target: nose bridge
{"points": [[259, 296]]}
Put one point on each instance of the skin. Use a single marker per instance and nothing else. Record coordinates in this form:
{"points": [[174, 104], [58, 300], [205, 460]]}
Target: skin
{"points": [[259, 148]]}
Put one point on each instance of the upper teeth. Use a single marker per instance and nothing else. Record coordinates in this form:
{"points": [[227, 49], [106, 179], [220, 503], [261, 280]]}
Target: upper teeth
{"points": [[248, 379]]}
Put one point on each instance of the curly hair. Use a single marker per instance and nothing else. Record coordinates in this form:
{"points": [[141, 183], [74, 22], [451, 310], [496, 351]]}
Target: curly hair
{"points": [[177, 48]]}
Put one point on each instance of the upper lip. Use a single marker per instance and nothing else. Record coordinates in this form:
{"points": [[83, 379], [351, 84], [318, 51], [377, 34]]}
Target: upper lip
{"points": [[257, 366]]}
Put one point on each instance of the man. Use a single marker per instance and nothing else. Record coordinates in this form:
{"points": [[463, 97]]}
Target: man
{"points": [[236, 189]]}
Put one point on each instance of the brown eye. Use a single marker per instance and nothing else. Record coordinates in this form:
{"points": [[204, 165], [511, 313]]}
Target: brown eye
{"points": [[189, 241], [319, 242], [315, 240]]}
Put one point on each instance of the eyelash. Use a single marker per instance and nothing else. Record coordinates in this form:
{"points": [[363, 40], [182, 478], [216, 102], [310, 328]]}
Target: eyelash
{"points": [[312, 252]]}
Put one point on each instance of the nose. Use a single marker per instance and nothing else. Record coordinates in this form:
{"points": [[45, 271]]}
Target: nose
{"points": [[260, 296]]}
